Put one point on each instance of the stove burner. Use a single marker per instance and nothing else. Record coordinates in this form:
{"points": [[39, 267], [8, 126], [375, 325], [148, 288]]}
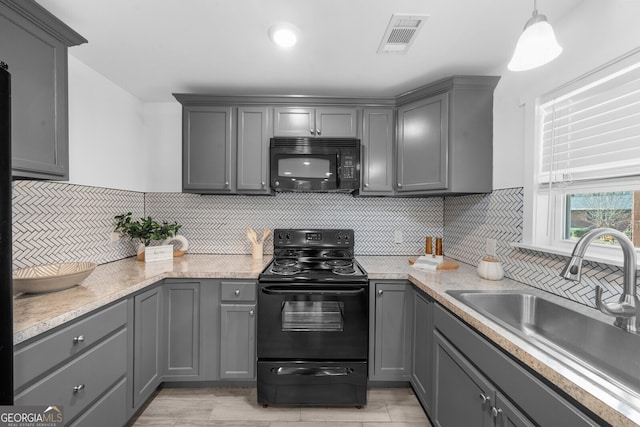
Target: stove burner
{"points": [[285, 262], [338, 263], [285, 270], [344, 271], [337, 253]]}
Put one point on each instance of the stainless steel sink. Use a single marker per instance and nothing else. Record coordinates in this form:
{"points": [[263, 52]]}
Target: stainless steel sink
{"points": [[597, 350]]}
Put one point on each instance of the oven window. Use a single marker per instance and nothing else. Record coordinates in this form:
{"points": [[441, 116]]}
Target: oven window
{"points": [[304, 167], [312, 316]]}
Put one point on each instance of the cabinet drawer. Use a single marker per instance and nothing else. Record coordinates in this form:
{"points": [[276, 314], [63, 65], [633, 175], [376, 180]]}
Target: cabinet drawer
{"points": [[238, 291], [92, 372], [109, 411], [37, 357]]}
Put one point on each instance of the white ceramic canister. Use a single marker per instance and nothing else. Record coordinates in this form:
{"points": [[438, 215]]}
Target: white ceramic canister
{"points": [[490, 268]]}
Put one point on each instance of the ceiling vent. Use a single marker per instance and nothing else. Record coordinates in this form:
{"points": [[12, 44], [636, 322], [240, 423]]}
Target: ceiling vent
{"points": [[401, 32]]}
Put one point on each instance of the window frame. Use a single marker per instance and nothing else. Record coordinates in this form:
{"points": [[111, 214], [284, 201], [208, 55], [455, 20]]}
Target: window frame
{"points": [[543, 228]]}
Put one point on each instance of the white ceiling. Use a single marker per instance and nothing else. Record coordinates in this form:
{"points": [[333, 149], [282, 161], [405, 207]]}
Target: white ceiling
{"points": [[153, 48]]}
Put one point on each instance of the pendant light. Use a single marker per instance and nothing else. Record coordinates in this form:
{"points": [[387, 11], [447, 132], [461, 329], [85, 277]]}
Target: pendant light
{"points": [[537, 44]]}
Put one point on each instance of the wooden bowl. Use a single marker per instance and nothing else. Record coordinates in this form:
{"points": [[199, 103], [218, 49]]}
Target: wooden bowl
{"points": [[51, 277]]}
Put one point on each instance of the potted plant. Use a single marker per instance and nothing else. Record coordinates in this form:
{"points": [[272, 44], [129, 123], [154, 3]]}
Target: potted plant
{"points": [[145, 230]]}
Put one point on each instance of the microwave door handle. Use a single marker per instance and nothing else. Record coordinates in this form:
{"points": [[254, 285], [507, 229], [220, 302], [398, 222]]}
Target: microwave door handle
{"points": [[338, 169]]}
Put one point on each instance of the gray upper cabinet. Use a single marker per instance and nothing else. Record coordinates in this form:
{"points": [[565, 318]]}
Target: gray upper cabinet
{"points": [[34, 45], [423, 144], [254, 133], [209, 157], [377, 151], [445, 137], [316, 122]]}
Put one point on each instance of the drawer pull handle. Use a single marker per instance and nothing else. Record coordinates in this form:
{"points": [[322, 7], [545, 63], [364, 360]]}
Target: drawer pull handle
{"points": [[485, 398], [78, 388], [78, 339], [380, 292], [496, 412], [237, 292]]}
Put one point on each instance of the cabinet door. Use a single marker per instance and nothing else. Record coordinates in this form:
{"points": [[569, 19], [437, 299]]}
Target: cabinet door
{"points": [[289, 121], [462, 397], [39, 125], [507, 415], [208, 157], [147, 355], [336, 122], [181, 328], [392, 341], [237, 341], [422, 371], [423, 144], [377, 151], [254, 131]]}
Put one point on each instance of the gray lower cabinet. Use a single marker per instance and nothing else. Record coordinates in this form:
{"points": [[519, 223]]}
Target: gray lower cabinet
{"points": [[147, 351], [60, 368], [238, 330], [181, 317], [208, 149], [445, 137], [477, 384], [34, 45], [377, 152], [422, 357], [255, 128], [390, 348], [464, 397], [316, 122]]}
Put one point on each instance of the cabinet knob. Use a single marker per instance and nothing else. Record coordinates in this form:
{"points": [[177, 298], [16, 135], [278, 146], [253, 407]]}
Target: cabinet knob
{"points": [[311, 132], [399, 185], [496, 412], [485, 398], [380, 292], [263, 184], [78, 339], [237, 292], [78, 388], [366, 185], [251, 313], [226, 183], [318, 132]]}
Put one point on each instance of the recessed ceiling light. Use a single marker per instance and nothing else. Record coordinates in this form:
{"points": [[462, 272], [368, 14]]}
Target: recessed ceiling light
{"points": [[284, 34]]}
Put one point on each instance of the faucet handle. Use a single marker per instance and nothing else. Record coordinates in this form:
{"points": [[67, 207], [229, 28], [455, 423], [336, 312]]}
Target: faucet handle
{"points": [[615, 309]]}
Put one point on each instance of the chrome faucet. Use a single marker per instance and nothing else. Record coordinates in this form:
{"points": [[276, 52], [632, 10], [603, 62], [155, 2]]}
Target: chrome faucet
{"points": [[627, 309]]}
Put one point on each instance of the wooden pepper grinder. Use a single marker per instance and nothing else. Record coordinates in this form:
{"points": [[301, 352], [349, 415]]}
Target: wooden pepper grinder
{"points": [[438, 246], [428, 247]]}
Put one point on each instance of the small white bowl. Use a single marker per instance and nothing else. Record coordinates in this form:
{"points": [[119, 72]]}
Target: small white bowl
{"points": [[45, 278]]}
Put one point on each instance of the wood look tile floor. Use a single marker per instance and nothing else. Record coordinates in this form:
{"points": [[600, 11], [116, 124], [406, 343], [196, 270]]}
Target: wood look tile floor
{"points": [[237, 407]]}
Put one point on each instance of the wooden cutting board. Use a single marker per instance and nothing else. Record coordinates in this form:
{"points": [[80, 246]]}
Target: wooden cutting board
{"points": [[447, 264]]}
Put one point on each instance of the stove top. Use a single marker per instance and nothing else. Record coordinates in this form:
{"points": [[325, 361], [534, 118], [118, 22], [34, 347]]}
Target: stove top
{"points": [[320, 255]]}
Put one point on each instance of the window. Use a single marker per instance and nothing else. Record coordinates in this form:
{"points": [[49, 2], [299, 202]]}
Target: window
{"points": [[588, 158]]}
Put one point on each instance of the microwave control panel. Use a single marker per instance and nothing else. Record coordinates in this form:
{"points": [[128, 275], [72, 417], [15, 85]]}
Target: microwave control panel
{"points": [[348, 167]]}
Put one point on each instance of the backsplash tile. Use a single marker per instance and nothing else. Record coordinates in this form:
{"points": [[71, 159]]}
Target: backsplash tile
{"points": [[470, 220], [217, 224], [58, 222]]}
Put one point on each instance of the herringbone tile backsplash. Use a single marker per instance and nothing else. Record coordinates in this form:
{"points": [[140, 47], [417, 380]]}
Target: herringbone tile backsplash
{"points": [[55, 222], [470, 220]]}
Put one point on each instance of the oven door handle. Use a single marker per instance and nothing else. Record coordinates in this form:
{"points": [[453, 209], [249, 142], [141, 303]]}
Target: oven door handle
{"points": [[337, 292], [322, 371]]}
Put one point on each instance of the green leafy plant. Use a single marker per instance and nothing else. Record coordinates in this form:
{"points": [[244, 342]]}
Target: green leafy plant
{"points": [[145, 229]]}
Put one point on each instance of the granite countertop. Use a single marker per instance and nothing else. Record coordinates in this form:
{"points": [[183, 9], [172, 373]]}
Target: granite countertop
{"points": [[35, 314]]}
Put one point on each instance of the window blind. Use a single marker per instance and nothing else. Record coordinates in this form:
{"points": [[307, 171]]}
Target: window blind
{"points": [[593, 132]]}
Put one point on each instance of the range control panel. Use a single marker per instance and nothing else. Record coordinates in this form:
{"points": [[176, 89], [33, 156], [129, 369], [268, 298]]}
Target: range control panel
{"points": [[311, 238]]}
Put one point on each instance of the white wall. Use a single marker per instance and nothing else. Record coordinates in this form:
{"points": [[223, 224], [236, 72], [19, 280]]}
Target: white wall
{"points": [[163, 134], [107, 146], [596, 32]]}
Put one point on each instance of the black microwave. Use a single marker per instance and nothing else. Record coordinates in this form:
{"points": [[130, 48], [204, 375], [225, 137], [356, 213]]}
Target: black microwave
{"points": [[315, 164]]}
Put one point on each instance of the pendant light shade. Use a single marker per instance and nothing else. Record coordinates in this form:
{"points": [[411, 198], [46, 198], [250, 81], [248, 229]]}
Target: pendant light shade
{"points": [[537, 44]]}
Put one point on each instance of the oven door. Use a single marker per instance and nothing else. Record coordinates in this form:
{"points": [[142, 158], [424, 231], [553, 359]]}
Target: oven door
{"points": [[303, 171], [313, 321]]}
